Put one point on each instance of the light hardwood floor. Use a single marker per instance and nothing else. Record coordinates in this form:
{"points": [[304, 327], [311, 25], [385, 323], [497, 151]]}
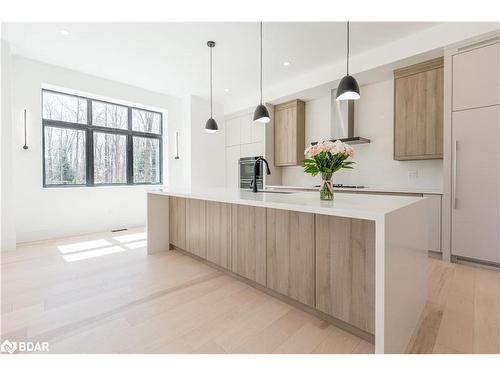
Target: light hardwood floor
{"points": [[102, 293]]}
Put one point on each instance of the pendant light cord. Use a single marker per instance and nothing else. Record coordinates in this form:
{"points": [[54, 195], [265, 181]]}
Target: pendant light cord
{"points": [[211, 83], [348, 47], [261, 62]]}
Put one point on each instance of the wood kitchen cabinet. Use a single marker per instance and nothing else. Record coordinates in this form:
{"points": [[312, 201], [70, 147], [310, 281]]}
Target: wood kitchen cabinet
{"points": [[418, 111], [289, 133], [290, 254], [196, 227], [177, 222], [248, 242], [345, 270], [219, 233]]}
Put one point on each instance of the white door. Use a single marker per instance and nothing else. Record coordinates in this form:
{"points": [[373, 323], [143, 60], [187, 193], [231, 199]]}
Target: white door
{"points": [[476, 184], [232, 166]]}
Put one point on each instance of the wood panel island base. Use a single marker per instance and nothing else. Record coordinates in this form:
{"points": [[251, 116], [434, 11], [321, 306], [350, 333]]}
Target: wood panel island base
{"points": [[359, 262]]}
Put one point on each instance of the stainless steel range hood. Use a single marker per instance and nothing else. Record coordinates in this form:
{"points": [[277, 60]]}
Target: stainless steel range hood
{"points": [[342, 121]]}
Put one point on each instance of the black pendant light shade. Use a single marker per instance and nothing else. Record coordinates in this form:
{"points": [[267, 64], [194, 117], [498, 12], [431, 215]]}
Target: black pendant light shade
{"points": [[211, 125], [348, 87], [261, 114]]}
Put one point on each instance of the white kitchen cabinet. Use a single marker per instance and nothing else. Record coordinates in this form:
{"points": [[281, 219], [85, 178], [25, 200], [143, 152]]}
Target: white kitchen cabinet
{"points": [[233, 154], [246, 129], [252, 149], [475, 229], [233, 131], [434, 222], [258, 132], [476, 77]]}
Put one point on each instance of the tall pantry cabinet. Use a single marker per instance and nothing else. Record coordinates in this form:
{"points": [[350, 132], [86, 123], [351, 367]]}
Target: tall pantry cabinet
{"points": [[475, 152]]}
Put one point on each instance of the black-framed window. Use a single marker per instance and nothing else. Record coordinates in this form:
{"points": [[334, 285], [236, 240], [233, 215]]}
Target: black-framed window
{"points": [[90, 142]]}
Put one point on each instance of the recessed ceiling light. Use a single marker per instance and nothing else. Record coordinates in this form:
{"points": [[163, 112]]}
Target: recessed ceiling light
{"points": [[64, 32], [286, 63], [226, 90]]}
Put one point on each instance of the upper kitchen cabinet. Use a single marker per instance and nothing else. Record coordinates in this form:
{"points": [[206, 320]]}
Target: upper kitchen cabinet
{"points": [[233, 131], [251, 131], [289, 133], [476, 77], [243, 130], [418, 111]]}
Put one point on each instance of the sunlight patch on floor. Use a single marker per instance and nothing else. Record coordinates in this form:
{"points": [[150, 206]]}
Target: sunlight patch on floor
{"points": [[81, 246], [93, 253], [136, 245], [131, 237]]}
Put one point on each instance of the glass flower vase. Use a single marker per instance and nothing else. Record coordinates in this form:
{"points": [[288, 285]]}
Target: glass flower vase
{"points": [[326, 188]]}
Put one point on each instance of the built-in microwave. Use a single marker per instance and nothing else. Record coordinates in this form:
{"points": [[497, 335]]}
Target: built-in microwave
{"points": [[246, 166]]}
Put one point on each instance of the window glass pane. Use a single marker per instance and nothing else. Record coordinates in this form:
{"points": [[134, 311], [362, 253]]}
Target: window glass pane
{"points": [[64, 156], [146, 160], [110, 158], [109, 115], [62, 107], [146, 121]]}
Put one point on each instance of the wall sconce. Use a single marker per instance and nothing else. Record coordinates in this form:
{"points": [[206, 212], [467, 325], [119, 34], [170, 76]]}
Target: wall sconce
{"points": [[25, 147], [176, 145]]}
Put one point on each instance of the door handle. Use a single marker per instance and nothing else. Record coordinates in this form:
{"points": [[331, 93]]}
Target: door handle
{"points": [[455, 149]]}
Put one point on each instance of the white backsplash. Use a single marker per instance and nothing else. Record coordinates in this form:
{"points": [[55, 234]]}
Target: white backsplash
{"points": [[375, 166]]}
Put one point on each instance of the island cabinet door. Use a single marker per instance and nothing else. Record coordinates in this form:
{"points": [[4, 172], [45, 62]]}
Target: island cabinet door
{"points": [[345, 270], [248, 255], [219, 233], [196, 241], [177, 222], [290, 254]]}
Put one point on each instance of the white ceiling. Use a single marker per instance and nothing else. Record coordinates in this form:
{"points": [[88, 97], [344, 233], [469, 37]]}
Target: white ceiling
{"points": [[172, 58]]}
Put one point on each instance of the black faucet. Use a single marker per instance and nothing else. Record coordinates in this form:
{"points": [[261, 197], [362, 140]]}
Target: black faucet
{"points": [[255, 169]]}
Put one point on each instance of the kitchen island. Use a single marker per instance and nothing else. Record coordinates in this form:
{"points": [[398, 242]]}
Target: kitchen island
{"points": [[359, 262]]}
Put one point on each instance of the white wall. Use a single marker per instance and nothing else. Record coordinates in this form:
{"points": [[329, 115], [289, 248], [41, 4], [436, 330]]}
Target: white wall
{"points": [[54, 212], [373, 119], [207, 149], [7, 232]]}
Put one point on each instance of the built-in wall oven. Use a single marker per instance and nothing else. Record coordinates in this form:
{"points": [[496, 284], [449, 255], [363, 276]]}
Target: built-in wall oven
{"points": [[246, 172]]}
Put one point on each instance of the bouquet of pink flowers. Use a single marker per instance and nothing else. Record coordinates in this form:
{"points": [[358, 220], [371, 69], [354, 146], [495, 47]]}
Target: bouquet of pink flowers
{"points": [[327, 158]]}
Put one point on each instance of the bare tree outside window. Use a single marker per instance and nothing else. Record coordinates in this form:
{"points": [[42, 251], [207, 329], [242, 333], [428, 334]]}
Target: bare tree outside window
{"points": [[109, 115], [110, 158], [93, 148], [146, 121], [65, 108], [64, 156], [146, 160]]}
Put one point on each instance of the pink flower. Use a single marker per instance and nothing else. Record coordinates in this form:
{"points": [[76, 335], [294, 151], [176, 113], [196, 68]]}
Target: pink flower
{"points": [[337, 147]]}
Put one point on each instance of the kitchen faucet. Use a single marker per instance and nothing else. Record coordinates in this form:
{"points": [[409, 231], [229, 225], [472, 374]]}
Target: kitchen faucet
{"points": [[255, 166]]}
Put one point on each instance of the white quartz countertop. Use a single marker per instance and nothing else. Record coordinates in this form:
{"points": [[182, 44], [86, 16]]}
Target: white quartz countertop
{"points": [[359, 206], [367, 189]]}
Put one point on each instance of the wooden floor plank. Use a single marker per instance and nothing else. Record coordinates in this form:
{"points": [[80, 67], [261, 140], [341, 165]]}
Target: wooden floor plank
{"points": [[129, 302]]}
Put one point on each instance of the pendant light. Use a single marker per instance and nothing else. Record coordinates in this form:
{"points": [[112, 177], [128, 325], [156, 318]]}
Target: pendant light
{"points": [[261, 114], [348, 87], [211, 125]]}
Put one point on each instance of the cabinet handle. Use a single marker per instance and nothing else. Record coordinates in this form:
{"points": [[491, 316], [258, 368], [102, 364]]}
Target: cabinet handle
{"points": [[455, 148]]}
